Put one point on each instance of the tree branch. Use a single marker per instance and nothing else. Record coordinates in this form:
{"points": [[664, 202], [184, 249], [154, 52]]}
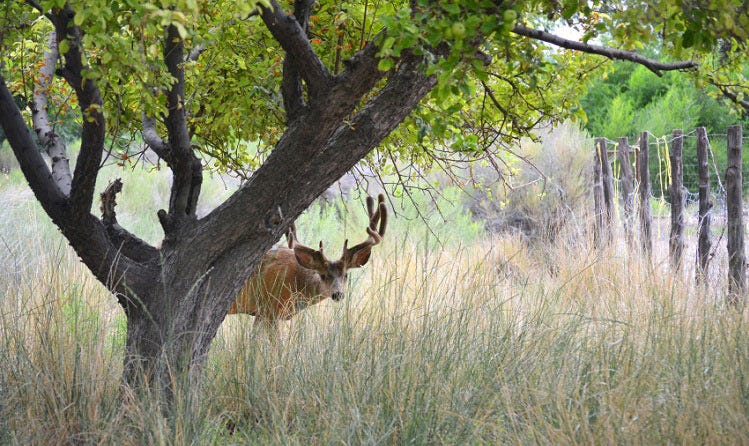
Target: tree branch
{"points": [[291, 86], [154, 141], [195, 52], [29, 158], [731, 95], [612, 53], [293, 39], [361, 73], [131, 246], [255, 204], [85, 233], [53, 144], [94, 124], [186, 167]]}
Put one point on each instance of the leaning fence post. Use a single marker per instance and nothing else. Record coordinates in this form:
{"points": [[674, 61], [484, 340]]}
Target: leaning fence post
{"points": [[598, 200], [676, 240], [608, 182], [627, 187], [703, 227], [735, 231], [643, 176]]}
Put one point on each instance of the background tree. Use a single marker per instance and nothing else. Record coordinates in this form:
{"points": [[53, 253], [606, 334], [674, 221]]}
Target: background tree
{"points": [[287, 101]]}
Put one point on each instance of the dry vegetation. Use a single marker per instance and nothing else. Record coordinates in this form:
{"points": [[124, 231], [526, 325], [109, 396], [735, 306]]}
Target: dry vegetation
{"points": [[478, 340]]}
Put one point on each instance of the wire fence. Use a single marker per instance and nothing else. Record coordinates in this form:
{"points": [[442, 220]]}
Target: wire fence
{"points": [[660, 169], [660, 165]]}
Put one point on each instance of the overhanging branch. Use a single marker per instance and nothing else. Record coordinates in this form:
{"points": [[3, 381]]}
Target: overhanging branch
{"points": [[612, 53], [291, 85], [293, 39], [732, 95]]}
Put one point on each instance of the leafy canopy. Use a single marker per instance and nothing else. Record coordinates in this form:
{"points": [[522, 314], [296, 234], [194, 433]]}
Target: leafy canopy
{"points": [[493, 84]]}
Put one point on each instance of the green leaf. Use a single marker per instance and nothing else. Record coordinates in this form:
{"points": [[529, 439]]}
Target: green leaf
{"points": [[78, 18], [385, 64], [63, 46], [687, 39], [570, 8]]}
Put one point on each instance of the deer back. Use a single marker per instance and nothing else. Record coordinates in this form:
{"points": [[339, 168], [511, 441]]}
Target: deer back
{"points": [[280, 288]]}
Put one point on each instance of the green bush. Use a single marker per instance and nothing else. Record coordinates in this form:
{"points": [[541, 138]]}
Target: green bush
{"points": [[546, 186]]}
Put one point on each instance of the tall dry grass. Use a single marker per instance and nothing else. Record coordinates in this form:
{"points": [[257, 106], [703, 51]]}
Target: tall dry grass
{"points": [[484, 343], [468, 339]]}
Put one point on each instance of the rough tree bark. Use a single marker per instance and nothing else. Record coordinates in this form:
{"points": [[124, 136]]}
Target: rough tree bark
{"points": [[735, 218]]}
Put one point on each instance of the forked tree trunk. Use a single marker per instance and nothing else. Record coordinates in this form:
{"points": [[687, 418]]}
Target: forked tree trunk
{"points": [[170, 329]]}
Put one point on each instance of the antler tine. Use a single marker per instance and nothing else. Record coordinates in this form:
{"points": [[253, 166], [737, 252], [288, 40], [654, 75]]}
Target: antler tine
{"points": [[294, 244], [383, 211], [345, 248], [291, 239], [370, 206], [376, 215]]}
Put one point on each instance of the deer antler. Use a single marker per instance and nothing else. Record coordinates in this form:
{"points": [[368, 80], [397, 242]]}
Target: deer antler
{"points": [[307, 256], [291, 239], [359, 255]]}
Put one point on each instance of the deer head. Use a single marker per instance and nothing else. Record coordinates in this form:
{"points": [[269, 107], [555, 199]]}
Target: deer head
{"points": [[333, 273], [290, 279]]}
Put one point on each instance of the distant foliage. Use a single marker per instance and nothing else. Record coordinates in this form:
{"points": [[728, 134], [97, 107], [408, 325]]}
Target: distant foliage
{"points": [[545, 186], [628, 100]]}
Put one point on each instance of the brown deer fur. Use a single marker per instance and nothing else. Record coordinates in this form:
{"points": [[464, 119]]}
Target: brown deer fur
{"points": [[291, 279]]}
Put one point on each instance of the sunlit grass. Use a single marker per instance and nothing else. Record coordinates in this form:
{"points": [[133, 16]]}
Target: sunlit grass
{"points": [[469, 340]]}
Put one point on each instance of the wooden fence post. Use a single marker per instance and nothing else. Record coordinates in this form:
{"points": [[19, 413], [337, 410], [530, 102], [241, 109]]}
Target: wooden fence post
{"points": [[734, 205], [643, 175], [627, 187], [598, 200], [703, 227], [676, 240], [608, 183]]}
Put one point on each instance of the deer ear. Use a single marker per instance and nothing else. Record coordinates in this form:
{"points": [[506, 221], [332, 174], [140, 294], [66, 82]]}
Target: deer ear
{"points": [[307, 257], [360, 258]]}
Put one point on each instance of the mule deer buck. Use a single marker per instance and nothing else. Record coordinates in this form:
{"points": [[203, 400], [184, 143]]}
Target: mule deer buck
{"points": [[291, 279]]}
